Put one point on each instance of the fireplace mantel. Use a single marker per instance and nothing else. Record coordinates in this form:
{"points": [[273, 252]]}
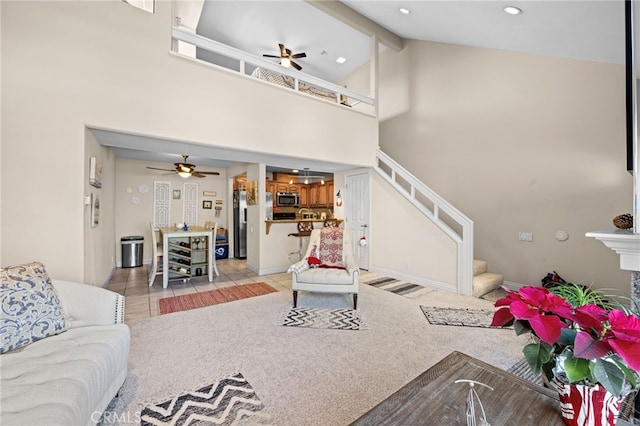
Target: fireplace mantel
{"points": [[624, 242]]}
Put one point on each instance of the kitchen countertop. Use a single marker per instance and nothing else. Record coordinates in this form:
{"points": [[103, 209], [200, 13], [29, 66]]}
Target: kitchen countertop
{"points": [[270, 222]]}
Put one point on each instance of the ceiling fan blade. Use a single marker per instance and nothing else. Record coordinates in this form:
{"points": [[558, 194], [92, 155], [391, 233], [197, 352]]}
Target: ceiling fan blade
{"points": [[283, 50], [209, 173], [198, 174], [288, 52], [164, 170], [296, 66], [271, 56], [299, 55]]}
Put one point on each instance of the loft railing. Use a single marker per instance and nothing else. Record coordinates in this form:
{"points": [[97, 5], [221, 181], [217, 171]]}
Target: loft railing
{"points": [[244, 59], [449, 219]]}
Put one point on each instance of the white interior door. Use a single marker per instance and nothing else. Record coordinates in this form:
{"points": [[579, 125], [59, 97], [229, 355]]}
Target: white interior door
{"points": [[357, 214]]}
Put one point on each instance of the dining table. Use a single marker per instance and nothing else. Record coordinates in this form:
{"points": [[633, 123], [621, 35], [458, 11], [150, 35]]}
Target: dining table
{"points": [[169, 232]]}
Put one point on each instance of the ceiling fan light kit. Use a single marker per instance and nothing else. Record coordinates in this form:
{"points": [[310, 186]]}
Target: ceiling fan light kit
{"points": [[286, 58], [185, 170]]}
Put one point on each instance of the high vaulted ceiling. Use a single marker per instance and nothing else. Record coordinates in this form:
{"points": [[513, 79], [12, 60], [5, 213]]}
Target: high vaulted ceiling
{"points": [[584, 30]]}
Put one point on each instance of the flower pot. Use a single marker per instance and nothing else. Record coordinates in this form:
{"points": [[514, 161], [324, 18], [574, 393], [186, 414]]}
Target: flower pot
{"points": [[583, 405]]}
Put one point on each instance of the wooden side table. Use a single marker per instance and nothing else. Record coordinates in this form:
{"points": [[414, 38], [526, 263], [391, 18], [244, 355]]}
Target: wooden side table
{"points": [[434, 399]]}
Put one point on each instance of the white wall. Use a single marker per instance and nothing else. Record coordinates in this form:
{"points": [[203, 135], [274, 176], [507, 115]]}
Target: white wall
{"points": [[99, 245], [518, 143], [71, 65]]}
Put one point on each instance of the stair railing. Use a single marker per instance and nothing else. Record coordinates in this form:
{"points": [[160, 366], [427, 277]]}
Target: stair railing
{"points": [[449, 219]]}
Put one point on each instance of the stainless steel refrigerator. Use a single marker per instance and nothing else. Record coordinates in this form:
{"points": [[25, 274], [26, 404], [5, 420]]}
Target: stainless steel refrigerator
{"points": [[240, 224]]}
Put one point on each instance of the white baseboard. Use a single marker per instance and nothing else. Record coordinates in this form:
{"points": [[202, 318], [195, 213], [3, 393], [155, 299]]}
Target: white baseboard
{"points": [[272, 270]]}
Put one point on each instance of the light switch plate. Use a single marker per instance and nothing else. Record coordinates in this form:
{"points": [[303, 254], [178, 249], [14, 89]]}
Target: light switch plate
{"points": [[525, 236]]}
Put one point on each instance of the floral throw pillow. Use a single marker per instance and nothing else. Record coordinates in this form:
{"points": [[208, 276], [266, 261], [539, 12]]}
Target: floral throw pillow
{"points": [[331, 247], [30, 307]]}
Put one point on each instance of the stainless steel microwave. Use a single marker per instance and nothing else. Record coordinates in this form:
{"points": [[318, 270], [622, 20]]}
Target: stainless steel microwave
{"points": [[288, 199]]}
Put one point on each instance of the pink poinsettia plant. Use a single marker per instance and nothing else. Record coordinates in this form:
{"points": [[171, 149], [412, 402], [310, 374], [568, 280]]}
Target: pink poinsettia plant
{"points": [[587, 344]]}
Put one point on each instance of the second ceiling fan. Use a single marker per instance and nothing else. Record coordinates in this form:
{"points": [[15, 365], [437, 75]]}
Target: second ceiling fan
{"points": [[185, 169], [286, 57]]}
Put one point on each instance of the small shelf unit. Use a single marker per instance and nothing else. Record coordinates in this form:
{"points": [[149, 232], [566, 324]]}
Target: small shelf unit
{"points": [[188, 257]]}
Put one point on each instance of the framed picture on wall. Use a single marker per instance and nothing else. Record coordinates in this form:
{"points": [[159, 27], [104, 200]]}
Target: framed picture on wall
{"points": [[176, 194], [95, 172], [206, 204], [95, 210]]}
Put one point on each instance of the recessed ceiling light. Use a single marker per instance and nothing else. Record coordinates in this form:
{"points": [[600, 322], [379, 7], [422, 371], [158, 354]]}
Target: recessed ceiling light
{"points": [[341, 60], [512, 10], [294, 171], [404, 11]]}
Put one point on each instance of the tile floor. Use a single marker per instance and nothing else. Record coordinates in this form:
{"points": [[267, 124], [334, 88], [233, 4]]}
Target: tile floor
{"points": [[142, 300]]}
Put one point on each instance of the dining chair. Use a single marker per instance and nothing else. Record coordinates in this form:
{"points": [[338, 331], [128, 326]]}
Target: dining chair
{"points": [[156, 258]]}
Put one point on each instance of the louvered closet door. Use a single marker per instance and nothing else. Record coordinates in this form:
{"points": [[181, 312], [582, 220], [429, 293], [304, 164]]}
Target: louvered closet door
{"points": [[161, 203], [190, 204]]}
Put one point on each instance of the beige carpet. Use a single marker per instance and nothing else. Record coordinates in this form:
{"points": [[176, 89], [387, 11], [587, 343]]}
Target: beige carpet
{"points": [[303, 376]]}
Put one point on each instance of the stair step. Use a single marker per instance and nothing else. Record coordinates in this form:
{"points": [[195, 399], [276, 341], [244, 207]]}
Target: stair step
{"points": [[485, 283], [479, 267]]}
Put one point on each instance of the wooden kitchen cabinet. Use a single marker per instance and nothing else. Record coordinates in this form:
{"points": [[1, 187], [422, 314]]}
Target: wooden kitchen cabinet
{"points": [[313, 195], [282, 187], [240, 183], [304, 196], [321, 195], [294, 188], [271, 187]]}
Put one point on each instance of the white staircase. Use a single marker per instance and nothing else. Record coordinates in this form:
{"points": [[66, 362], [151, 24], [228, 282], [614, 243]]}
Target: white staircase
{"points": [[484, 281]]}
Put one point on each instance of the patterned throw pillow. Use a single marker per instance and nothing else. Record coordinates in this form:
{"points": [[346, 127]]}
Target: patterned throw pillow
{"points": [[331, 247], [30, 308]]}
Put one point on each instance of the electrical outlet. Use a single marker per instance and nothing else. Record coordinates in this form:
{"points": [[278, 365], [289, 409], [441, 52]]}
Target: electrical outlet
{"points": [[525, 236]]}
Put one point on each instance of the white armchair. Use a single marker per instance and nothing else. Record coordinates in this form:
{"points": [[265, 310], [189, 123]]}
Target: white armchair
{"points": [[333, 269]]}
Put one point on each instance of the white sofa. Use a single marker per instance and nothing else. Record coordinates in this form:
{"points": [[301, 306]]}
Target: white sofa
{"points": [[69, 378], [322, 279]]}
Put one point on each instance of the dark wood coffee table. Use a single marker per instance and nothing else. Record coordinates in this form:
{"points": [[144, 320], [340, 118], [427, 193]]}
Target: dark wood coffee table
{"points": [[434, 399]]}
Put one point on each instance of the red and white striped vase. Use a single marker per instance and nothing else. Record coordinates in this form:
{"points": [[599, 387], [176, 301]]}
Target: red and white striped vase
{"points": [[583, 405]]}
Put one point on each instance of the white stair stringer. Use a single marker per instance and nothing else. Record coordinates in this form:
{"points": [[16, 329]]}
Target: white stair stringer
{"points": [[483, 281]]}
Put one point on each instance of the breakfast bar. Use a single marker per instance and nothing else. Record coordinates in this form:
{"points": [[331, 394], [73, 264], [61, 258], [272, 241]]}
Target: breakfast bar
{"points": [[317, 223]]}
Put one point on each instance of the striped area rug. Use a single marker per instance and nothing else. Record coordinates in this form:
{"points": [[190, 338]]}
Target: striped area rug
{"points": [[402, 288], [185, 302]]}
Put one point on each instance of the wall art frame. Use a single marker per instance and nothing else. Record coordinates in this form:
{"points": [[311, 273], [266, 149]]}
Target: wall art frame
{"points": [[95, 210], [95, 172]]}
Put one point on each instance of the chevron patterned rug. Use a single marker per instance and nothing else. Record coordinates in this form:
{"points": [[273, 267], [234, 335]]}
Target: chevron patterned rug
{"points": [[228, 401], [339, 319], [459, 316]]}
